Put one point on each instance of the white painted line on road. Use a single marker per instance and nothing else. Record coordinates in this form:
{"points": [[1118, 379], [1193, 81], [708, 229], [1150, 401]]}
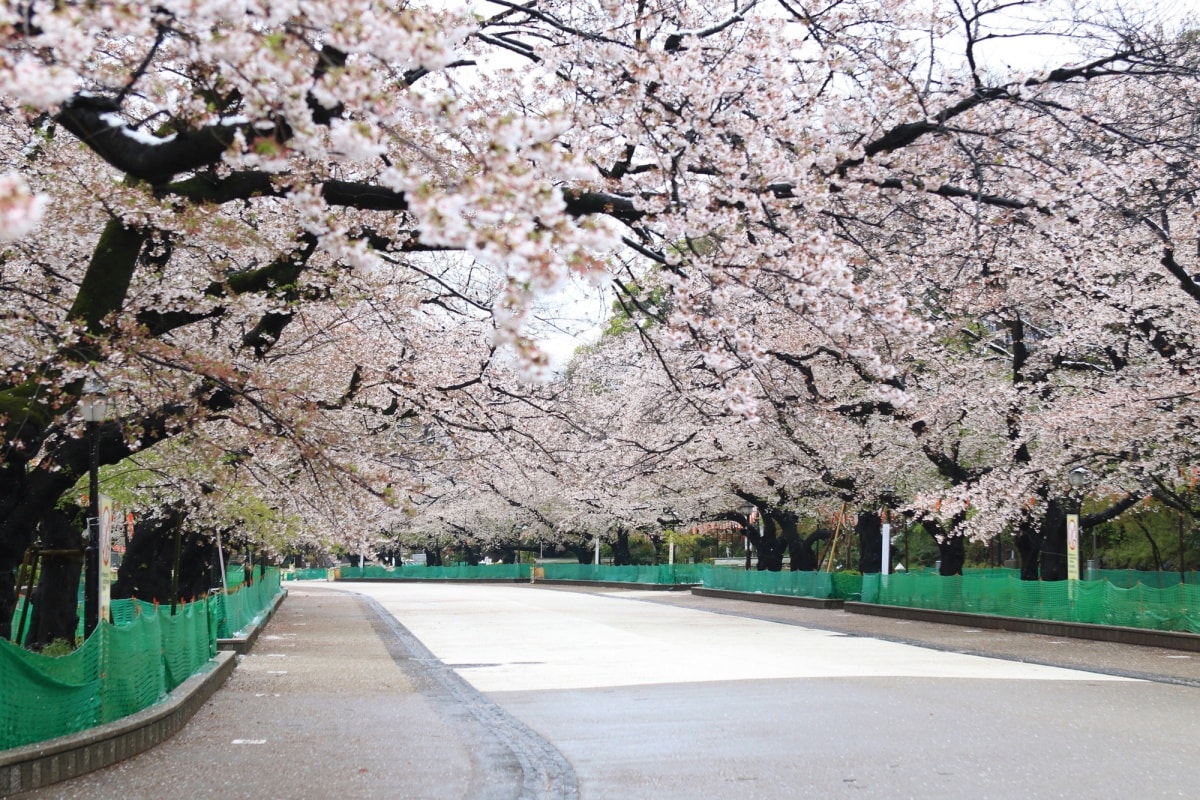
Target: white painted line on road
{"points": [[249, 741]]}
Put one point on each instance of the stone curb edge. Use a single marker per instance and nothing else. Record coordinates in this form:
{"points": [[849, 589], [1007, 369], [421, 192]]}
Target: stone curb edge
{"points": [[33, 766], [1173, 640], [775, 599], [639, 587]]}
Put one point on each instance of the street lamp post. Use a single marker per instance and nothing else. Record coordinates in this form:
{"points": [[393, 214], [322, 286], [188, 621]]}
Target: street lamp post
{"points": [[748, 510], [94, 406], [1078, 478], [671, 519]]}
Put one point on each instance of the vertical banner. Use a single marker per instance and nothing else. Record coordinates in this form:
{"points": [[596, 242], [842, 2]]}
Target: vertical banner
{"points": [[105, 583], [1072, 553]]}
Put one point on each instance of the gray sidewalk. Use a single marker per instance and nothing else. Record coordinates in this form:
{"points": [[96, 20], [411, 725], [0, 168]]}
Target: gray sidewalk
{"points": [[331, 702]]}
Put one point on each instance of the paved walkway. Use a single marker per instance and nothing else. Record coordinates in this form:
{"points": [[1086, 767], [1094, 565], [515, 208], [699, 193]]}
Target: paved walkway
{"points": [[330, 703], [337, 699]]}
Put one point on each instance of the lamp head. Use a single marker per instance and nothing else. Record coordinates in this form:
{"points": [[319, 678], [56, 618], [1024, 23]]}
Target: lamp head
{"points": [[1078, 477], [93, 403]]}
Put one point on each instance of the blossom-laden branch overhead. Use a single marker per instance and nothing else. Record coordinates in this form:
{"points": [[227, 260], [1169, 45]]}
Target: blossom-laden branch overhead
{"points": [[330, 221]]}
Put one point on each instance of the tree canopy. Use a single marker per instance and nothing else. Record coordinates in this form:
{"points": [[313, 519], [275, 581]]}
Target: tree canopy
{"points": [[937, 254]]}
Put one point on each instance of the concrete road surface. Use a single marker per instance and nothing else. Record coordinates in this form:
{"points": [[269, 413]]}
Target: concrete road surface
{"points": [[646, 700], [492, 692]]}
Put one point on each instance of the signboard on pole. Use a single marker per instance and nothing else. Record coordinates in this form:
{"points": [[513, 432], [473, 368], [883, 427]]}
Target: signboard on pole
{"points": [[1072, 553], [107, 511]]}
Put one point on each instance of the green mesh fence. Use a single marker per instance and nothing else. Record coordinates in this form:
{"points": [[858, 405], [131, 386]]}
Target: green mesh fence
{"points": [[235, 576], [821, 585], [658, 574], [794, 584], [306, 574], [20, 626], [119, 670], [847, 585], [1124, 578], [123, 667], [244, 607], [690, 573], [666, 574], [1175, 608], [464, 572], [1128, 578]]}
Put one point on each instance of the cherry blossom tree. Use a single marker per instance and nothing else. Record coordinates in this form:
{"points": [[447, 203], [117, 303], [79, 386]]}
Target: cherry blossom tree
{"points": [[237, 203]]}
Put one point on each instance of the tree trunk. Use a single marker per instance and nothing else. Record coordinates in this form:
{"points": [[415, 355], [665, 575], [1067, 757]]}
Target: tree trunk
{"points": [[583, 553], [1154, 551], [870, 542], [776, 537], [1029, 547], [951, 549], [24, 498], [804, 553], [8, 598], [1054, 542], [55, 610], [770, 546], [148, 569], [620, 548]]}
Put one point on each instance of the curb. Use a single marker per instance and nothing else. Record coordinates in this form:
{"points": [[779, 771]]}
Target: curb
{"points": [[775, 599], [1173, 640], [652, 587], [43, 763]]}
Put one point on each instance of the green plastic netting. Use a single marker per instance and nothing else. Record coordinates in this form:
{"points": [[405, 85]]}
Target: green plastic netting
{"points": [[235, 576], [658, 574], [662, 574], [1175, 608], [1128, 578], [793, 584], [463, 572], [241, 608], [123, 667], [307, 574], [821, 585], [119, 670]]}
